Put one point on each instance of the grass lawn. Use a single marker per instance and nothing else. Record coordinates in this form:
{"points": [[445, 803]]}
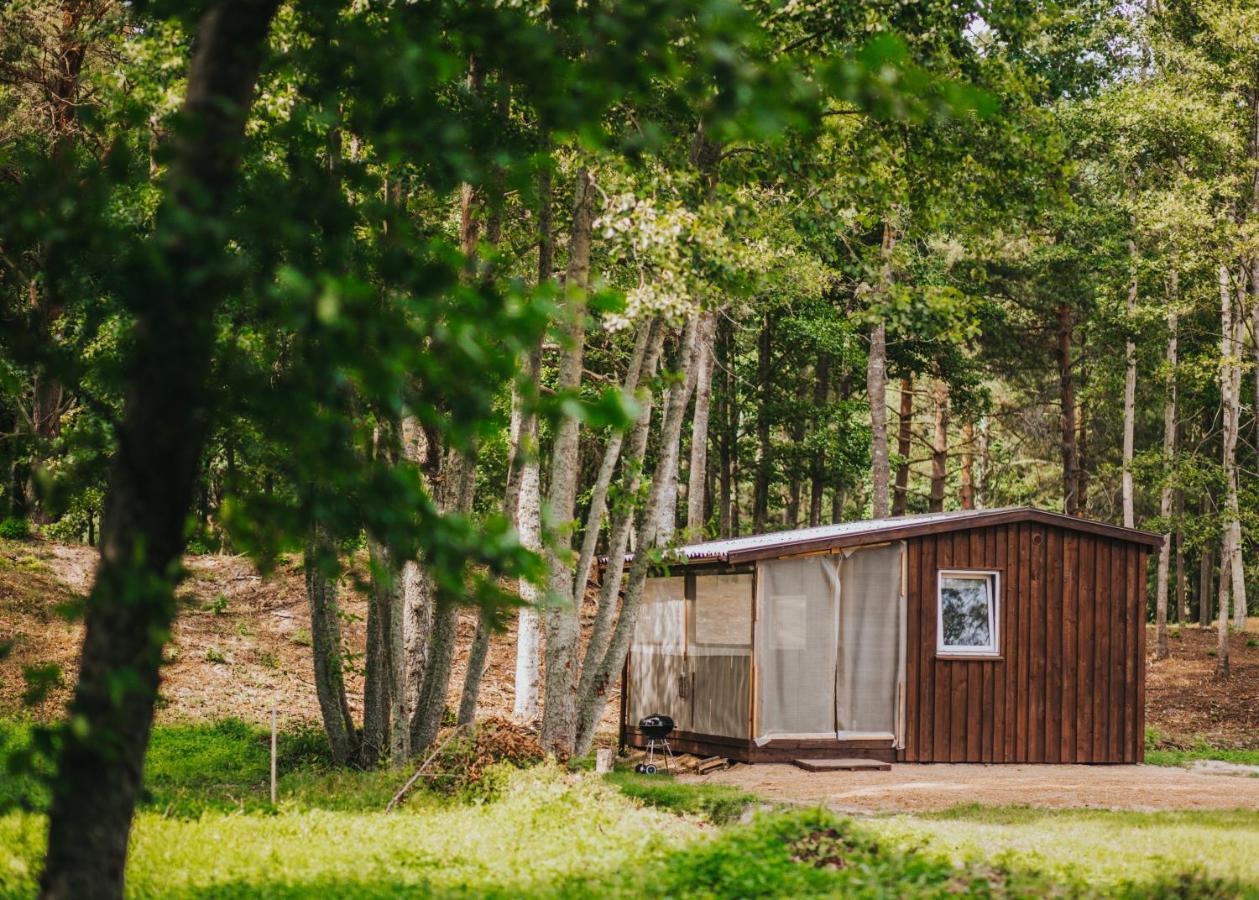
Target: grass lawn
{"points": [[206, 828], [1106, 849]]}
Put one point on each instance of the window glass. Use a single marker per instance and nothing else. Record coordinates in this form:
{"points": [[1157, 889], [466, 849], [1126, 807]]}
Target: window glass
{"points": [[967, 612]]}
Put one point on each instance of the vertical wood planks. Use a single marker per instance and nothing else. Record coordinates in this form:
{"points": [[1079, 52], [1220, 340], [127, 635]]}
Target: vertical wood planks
{"points": [[1070, 646], [1053, 645]]}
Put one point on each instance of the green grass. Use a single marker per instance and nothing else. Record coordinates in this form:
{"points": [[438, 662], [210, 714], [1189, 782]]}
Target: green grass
{"points": [[717, 803], [205, 828], [1118, 851], [1181, 757]]}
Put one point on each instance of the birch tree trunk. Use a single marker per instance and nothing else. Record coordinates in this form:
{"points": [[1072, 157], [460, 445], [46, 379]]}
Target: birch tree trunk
{"points": [[527, 703], [939, 445], [697, 477], [1130, 396], [876, 389], [591, 703], [1169, 454], [1229, 403], [563, 623], [904, 436], [618, 540]]}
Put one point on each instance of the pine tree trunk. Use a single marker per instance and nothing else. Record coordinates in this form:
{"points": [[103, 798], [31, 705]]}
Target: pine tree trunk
{"points": [[1169, 458], [1182, 578], [159, 443], [1066, 399], [939, 445], [1205, 575], [876, 388], [817, 482], [904, 436], [764, 451], [967, 489], [563, 623], [697, 477], [1236, 568], [727, 415]]}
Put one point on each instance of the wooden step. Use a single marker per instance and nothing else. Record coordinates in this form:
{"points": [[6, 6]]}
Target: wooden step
{"points": [[842, 765]]}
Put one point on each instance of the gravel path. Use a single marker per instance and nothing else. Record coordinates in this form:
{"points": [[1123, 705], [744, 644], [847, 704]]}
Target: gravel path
{"points": [[916, 787]]}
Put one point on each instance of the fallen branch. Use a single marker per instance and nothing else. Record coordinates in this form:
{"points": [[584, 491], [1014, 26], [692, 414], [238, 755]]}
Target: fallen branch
{"points": [[402, 791]]}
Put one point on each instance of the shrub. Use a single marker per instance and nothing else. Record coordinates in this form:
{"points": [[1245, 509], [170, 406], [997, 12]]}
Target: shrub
{"points": [[15, 529], [464, 763]]}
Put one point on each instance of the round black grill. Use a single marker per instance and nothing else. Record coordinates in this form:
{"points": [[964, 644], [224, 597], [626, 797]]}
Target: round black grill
{"points": [[655, 727]]}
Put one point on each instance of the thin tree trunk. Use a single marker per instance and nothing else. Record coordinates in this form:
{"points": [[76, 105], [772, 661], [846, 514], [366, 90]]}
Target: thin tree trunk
{"points": [[1205, 575], [764, 451], [563, 622], [591, 703], [939, 445], [904, 436], [1227, 356], [1082, 444], [623, 525], [159, 444], [378, 667], [425, 451], [876, 388], [727, 416], [1066, 398], [325, 638], [1182, 578], [1236, 568], [817, 483], [1169, 455], [967, 489], [527, 705], [1130, 396], [697, 477]]}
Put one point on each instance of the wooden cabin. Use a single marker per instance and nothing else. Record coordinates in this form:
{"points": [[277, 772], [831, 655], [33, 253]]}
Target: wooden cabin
{"points": [[987, 636]]}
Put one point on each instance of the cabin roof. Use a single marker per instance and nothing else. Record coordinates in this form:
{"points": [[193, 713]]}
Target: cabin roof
{"points": [[871, 531]]}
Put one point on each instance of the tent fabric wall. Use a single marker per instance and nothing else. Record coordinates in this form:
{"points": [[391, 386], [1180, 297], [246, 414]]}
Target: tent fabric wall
{"points": [[796, 628], [870, 642], [719, 654], [657, 664]]}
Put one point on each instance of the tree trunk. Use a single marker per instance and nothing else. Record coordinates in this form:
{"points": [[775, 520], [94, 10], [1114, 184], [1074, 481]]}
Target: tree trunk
{"points": [[1182, 579], [876, 388], [159, 443], [563, 623], [817, 483], [764, 451], [1082, 444], [1066, 398], [618, 540], [425, 451], [1130, 396], [904, 447], [591, 703], [1236, 567], [939, 445], [320, 563], [697, 477], [1169, 455], [1228, 401], [727, 416], [378, 674], [967, 490]]}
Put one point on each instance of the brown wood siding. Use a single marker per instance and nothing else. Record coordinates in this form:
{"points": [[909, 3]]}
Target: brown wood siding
{"points": [[1069, 685]]}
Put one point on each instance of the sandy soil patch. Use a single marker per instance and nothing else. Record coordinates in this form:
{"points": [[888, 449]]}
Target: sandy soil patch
{"points": [[918, 787]]}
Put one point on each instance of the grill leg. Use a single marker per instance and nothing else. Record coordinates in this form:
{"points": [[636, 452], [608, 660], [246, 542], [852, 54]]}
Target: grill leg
{"points": [[669, 758]]}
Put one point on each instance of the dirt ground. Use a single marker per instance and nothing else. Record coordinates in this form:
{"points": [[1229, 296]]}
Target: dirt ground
{"points": [[1186, 703], [920, 788], [241, 642]]}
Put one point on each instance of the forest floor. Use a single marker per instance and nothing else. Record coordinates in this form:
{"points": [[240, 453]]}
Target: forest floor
{"points": [[241, 642]]}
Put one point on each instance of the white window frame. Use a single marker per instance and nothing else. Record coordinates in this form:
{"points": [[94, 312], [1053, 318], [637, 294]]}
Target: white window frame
{"points": [[993, 579]]}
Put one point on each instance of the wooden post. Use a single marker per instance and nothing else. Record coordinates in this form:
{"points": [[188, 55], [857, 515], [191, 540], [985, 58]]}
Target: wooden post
{"points": [[273, 753], [603, 760]]}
